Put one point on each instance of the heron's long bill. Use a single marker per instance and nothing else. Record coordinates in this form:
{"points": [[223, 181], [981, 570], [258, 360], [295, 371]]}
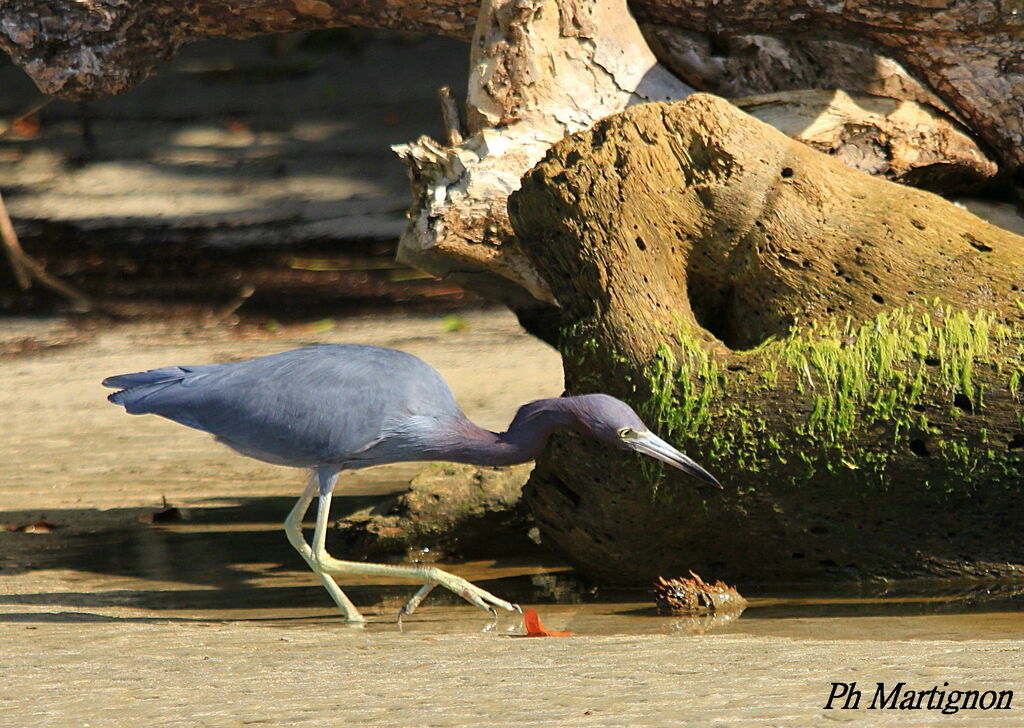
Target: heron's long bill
{"points": [[650, 444]]}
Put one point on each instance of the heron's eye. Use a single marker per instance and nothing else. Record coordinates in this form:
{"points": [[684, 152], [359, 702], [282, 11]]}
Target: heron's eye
{"points": [[625, 433]]}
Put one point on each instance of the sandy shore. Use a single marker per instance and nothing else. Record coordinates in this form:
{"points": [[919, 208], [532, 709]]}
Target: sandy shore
{"points": [[110, 620]]}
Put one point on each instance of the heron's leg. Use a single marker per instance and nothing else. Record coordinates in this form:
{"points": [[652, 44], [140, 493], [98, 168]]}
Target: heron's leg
{"points": [[429, 576], [410, 606], [293, 528]]}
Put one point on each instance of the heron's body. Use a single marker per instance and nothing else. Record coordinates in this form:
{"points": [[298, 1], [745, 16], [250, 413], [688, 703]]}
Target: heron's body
{"points": [[339, 407], [334, 404]]}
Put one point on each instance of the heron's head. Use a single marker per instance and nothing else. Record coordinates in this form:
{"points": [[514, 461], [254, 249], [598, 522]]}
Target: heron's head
{"points": [[614, 422]]}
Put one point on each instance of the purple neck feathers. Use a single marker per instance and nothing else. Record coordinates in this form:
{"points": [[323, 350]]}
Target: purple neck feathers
{"points": [[523, 441]]}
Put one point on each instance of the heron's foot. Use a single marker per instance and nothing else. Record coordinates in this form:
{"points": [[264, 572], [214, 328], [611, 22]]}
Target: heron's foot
{"points": [[465, 589], [324, 564], [410, 606]]}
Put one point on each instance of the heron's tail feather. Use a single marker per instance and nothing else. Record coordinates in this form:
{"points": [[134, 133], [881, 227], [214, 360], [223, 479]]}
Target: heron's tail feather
{"points": [[153, 376], [135, 389]]}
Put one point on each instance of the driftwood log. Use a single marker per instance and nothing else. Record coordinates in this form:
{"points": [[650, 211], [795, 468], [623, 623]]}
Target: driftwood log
{"points": [[519, 103], [843, 352], [967, 51]]}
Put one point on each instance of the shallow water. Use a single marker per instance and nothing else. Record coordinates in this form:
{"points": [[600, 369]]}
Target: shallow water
{"points": [[218, 569]]}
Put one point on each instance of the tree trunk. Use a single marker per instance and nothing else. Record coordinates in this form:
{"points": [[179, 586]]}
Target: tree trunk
{"points": [[843, 352]]}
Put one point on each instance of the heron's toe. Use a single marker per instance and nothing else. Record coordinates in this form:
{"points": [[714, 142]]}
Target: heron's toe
{"points": [[487, 597], [468, 591]]}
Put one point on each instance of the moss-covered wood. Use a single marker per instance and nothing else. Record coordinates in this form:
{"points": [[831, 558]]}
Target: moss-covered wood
{"points": [[846, 354], [449, 509]]}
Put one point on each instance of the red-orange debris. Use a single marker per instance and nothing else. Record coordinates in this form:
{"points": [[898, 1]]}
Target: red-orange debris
{"points": [[534, 627]]}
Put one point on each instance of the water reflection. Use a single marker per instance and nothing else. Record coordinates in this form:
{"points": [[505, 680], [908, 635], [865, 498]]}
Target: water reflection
{"points": [[232, 562]]}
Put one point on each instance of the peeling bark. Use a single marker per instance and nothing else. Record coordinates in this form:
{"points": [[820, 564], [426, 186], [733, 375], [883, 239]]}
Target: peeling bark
{"points": [[539, 70], [970, 53], [752, 65], [901, 141]]}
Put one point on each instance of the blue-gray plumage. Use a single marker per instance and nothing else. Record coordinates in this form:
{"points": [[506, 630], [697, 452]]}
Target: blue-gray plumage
{"points": [[340, 407]]}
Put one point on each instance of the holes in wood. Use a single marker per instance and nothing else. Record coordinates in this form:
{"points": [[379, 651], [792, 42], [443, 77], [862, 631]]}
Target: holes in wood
{"points": [[964, 402]]}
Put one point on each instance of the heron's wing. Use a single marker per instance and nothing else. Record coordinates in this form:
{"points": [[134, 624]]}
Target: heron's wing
{"points": [[308, 406]]}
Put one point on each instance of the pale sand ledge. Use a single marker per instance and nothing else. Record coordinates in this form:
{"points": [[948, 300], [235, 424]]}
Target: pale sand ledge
{"points": [[109, 674]]}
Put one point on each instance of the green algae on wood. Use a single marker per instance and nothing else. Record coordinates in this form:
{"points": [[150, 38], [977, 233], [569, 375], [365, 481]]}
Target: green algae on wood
{"points": [[846, 378]]}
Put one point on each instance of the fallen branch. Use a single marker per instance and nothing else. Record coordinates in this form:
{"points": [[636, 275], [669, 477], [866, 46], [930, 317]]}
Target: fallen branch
{"points": [[26, 268]]}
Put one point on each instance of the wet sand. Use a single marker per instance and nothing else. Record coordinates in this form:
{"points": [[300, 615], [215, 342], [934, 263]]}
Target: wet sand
{"points": [[111, 620], [216, 674]]}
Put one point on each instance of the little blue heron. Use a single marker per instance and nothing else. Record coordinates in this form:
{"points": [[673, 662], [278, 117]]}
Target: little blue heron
{"points": [[340, 407]]}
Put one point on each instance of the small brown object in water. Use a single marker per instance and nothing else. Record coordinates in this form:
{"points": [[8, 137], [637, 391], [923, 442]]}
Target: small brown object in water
{"points": [[695, 596]]}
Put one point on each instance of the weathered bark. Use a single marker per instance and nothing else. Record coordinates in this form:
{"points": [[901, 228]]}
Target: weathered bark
{"points": [[751, 65], [539, 71], [900, 140], [968, 52], [85, 50], [843, 352]]}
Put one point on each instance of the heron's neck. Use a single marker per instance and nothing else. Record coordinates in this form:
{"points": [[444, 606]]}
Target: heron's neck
{"points": [[523, 441]]}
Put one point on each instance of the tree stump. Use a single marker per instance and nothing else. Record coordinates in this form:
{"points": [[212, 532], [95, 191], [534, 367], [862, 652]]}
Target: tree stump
{"points": [[844, 353]]}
